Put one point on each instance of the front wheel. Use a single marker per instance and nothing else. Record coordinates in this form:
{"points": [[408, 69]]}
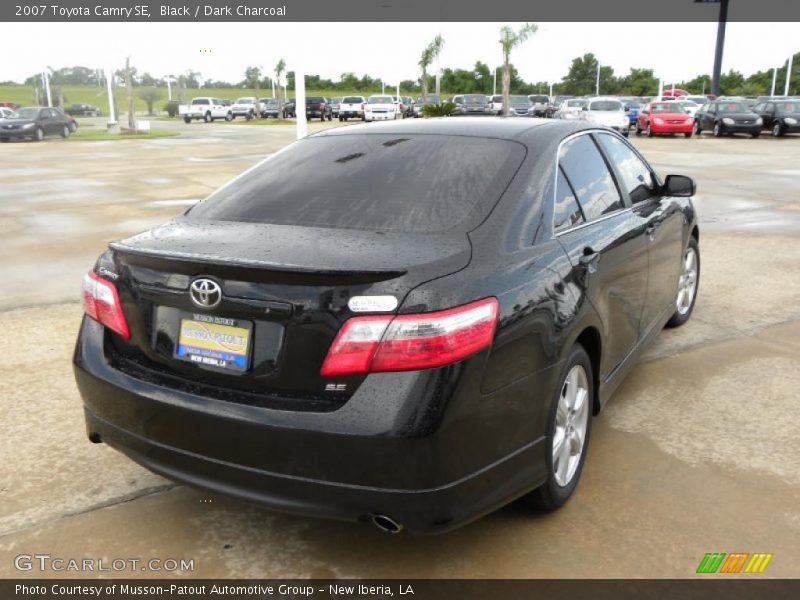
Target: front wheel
{"points": [[687, 285], [187, 120], [688, 134], [755, 135], [229, 117], [39, 134], [569, 426], [65, 132], [777, 130], [638, 130], [208, 118], [717, 130], [626, 133], [697, 129], [649, 131]]}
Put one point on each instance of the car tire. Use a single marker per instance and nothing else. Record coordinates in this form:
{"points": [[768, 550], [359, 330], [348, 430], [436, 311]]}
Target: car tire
{"points": [[567, 426], [207, 118], [39, 136], [65, 132], [688, 283], [229, 117], [777, 129], [697, 129], [73, 127], [717, 130], [187, 120], [688, 134], [626, 133], [755, 135], [648, 131], [638, 130]]}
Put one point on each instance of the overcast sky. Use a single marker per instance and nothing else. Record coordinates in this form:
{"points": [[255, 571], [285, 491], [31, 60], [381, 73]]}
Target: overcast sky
{"points": [[221, 51]]}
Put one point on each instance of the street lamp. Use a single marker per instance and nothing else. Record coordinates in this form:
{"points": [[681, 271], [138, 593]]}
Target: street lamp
{"points": [[169, 79], [723, 19]]}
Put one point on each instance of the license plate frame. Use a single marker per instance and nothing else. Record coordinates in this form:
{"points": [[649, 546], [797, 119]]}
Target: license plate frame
{"points": [[214, 342]]}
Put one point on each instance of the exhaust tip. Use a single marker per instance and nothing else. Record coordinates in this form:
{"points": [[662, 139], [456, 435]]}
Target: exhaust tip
{"points": [[386, 524]]}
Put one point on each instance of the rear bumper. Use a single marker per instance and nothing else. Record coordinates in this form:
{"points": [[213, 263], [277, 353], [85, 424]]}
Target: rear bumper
{"points": [[351, 113], [428, 455]]}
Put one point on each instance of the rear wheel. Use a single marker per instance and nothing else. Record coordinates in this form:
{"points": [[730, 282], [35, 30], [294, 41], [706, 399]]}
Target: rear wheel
{"points": [[229, 117], [65, 132], [207, 118], [687, 285], [717, 130], [39, 135], [638, 130], [697, 128], [570, 424], [688, 134], [187, 119]]}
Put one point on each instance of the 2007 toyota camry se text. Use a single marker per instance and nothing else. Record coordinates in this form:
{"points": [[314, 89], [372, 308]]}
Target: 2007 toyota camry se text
{"points": [[405, 323]]}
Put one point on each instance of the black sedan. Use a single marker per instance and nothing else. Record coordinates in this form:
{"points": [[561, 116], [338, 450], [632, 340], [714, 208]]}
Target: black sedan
{"points": [[413, 332], [34, 123], [82, 110], [725, 117], [779, 116]]}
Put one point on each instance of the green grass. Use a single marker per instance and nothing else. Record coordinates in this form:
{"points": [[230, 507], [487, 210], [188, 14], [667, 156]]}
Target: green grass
{"points": [[77, 94], [102, 135]]}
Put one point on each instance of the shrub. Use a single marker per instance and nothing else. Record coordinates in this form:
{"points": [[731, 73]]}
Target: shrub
{"points": [[172, 108], [439, 110]]}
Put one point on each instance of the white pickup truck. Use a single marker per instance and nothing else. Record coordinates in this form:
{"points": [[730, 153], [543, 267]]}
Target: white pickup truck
{"points": [[380, 108], [352, 107], [205, 108]]}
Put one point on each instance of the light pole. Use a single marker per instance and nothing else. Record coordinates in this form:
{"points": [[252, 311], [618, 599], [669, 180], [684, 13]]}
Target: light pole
{"points": [[597, 84], [722, 21], [785, 87], [494, 82], [112, 118], [169, 86], [46, 82], [774, 78], [300, 101]]}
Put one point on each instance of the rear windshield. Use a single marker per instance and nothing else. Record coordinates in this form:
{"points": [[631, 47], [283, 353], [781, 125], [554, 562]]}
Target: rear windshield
{"points": [[475, 98], [200, 101], [732, 107], [666, 107], [378, 182], [353, 100], [315, 99], [605, 105], [380, 100], [539, 98]]}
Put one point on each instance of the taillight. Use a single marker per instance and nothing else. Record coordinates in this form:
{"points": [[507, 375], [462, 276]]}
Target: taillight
{"points": [[101, 302], [411, 342]]}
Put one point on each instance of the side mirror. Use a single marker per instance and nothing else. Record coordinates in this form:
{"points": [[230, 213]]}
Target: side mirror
{"points": [[679, 185]]}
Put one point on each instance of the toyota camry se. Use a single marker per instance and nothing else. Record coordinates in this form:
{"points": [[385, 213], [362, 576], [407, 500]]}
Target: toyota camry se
{"points": [[409, 324]]}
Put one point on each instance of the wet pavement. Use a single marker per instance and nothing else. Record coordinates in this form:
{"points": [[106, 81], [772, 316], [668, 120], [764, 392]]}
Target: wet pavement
{"points": [[695, 453]]}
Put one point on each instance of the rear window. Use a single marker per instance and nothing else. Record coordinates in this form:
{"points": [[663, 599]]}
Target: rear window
{"points": [[378, 182], [539, 98], [605, 105], [315, 99], [380, 100], [200, 101], [353, 100]]}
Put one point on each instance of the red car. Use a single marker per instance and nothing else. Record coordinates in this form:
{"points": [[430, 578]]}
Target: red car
{"points": [[664, 117]]}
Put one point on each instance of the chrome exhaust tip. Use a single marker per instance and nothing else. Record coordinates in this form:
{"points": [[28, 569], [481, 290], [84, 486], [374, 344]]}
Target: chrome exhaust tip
{"points": [[386, 524]]}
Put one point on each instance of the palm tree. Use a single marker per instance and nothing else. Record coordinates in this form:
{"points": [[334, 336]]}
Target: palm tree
{"points": [[510, 39], [279, 69], [430, 54]]}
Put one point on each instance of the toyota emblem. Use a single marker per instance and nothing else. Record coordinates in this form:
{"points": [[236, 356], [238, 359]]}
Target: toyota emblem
{"points": [[205, 293]]}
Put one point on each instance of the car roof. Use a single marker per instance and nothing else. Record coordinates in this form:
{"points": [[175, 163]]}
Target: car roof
{"points": [[517, 129]]}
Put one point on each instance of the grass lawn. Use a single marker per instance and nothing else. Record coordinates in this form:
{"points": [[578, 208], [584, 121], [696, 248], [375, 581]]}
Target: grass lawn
{"points": [[103, 135]]}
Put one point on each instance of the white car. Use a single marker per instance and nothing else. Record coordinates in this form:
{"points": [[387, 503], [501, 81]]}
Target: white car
{"points": [[245, 107], [609, 112], [689, 106], [207, 109], [571, 109], [380, 108], [352, 107], [494, 104], [699, 100]]}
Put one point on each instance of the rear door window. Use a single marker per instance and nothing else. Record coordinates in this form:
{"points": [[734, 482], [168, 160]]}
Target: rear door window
{"points": [[379, 182], [588, 173], [566, 212]]}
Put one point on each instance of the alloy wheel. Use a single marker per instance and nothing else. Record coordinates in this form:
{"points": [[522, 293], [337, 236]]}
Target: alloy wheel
{"points": [[572, 419], [687, 283]]}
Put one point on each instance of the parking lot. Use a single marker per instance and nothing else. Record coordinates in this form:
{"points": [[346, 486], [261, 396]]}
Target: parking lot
{"points": [[695, 453]]}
